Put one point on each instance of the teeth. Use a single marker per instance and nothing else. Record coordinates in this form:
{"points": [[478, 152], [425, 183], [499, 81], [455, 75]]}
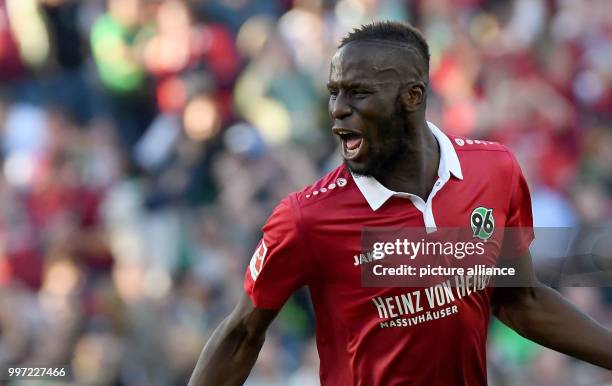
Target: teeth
{"points": [[351, 153]]}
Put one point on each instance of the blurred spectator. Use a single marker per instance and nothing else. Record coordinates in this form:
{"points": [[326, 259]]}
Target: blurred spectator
{"points": [[117, 43]]}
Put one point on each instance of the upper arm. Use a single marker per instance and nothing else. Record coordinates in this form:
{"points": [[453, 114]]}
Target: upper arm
{"points": [[250, 320], [233, 347], [514, 292]]}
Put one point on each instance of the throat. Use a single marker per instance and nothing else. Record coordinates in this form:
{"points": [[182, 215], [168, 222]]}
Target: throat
{"points": [[417, 172]]}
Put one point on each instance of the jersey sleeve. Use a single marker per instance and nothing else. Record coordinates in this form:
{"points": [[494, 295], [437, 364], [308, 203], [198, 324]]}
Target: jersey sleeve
{"points": [[519, 221], [280, 264]]}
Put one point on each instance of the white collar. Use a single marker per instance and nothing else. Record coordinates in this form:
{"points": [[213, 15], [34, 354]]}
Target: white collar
{"points": [[376, 194]]}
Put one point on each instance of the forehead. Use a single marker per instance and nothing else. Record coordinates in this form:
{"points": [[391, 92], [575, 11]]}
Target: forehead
{"points": [[370, 61]]}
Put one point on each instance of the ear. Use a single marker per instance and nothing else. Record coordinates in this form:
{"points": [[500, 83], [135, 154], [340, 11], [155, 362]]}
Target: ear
{"points": [[413, 96]]}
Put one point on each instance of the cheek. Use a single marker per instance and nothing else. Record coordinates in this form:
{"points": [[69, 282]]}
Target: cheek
{"points": [[377, 107], [371, 111], [378, 117], [386, 130]]}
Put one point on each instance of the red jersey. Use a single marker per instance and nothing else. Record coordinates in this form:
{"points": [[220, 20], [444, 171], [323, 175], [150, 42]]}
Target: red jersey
{"points": [[389, 336]]}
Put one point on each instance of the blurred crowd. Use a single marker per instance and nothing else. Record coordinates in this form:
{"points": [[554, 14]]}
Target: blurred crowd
{"points": [[144, 142]]}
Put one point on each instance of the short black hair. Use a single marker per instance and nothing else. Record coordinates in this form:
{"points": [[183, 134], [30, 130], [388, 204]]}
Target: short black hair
{"points": [[391, 31]]}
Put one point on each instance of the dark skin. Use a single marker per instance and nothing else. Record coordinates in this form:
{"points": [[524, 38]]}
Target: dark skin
{"points": [[541, 314], [381, 98], [231, 351]]}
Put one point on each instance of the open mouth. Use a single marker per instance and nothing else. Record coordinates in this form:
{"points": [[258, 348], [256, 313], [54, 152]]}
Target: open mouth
{"points": [[352, 143]]}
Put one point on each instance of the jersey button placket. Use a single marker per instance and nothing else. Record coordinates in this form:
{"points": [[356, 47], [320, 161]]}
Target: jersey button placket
{"points": [[428, 217]]}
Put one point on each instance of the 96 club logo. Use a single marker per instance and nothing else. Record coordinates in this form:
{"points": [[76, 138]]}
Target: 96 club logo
{"points": [[482, 222], [257, 259]]}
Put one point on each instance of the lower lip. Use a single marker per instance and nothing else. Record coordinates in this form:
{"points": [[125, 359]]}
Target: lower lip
{"points": [[354, 153]]}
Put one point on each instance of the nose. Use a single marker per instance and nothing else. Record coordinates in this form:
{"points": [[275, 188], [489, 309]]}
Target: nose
{"points": [[338, 107]]}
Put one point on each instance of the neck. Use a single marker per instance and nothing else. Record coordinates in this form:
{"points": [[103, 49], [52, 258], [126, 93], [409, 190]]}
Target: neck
{"points": [[416, 171]]}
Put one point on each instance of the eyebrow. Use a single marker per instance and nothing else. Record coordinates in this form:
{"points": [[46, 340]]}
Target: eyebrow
{"points": [[357, 84]]}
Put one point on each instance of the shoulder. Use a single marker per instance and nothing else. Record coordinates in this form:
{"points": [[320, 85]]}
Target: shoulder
{"points": [[463, 144], [324, 191], [481, 155], [311, 201], [326, 188]]}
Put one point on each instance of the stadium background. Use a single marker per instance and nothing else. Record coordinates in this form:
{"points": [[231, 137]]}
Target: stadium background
{"points": [[145, 142]]}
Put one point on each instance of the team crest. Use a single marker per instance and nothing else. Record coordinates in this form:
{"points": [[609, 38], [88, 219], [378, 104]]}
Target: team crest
{"points": [[482, 222], [258, 259]]}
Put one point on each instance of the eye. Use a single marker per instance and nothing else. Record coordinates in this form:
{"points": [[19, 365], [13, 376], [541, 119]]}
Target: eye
{"points": [[359, 93], [333, 93]]}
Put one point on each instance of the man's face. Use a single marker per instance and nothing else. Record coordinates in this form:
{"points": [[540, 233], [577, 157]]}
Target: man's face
{"points": [[365, 107]]}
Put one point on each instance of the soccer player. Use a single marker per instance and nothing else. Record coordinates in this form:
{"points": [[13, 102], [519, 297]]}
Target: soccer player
{"points": [[399, 171]]}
